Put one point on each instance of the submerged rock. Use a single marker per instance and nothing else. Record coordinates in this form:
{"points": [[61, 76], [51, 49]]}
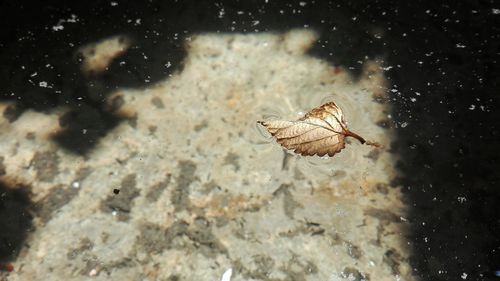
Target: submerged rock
{"points": [[203, 188]]}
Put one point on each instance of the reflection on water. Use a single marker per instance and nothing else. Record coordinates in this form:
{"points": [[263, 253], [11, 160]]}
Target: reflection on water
{"points": [[256, 134]]}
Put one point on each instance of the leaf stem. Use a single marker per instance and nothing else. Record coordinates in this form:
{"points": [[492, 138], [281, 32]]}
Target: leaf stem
{"points": [[360, 139], [354, 135]]}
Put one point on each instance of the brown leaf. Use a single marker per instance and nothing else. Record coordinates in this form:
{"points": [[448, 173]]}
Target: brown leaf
{"points": [[321, 131]]}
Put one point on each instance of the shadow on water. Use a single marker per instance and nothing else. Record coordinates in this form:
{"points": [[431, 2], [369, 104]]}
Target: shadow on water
{"points": [[15, 221], [449, 149], [33, 53], [444, 77]]}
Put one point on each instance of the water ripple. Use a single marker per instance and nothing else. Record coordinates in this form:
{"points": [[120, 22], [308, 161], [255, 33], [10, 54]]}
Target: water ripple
{"points": [[257, 134]]}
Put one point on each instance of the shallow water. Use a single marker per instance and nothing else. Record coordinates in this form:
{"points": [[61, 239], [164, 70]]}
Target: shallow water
{"points": [[155, 168]]}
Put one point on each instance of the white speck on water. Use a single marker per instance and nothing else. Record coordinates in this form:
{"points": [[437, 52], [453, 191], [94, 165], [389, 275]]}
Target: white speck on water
{"points": [[472, 107], [461, 199], [75, 184], [73, 19], [114, 213], [495, 11], [221, 13], [43, 84], [460, 46], [34, 74], [137, 22], [58, 27], [404, 124], [227, 275], [113, 4], [255, 22], [413, 99], [302, 3], [464, 275], [84, 131]]}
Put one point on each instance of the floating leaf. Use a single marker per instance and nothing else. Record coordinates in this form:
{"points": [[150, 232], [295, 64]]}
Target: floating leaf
{"points": [[321, 131]]}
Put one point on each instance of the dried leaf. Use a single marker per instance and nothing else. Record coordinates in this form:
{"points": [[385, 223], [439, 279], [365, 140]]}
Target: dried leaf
{"points": [[321, 131]]}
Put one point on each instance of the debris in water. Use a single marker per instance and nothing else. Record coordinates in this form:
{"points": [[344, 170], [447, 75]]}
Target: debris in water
{"points": [[321, 131]]}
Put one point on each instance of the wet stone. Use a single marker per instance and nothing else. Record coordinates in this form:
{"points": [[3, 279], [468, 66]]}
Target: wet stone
{"points": [[46, 165], [116, 103], [2, 166], [353, 251], [289, 204], [156, 190], [157, 102], [132, 120], [232, 159], [352, 274], [393, 259], [12, 113], [153, 239], [180, 194], [54, 200], [84, 245], [122, 203], [382, 215]]}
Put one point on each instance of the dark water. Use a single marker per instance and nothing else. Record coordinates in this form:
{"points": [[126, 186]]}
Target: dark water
{"points": [[444, 58]]}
